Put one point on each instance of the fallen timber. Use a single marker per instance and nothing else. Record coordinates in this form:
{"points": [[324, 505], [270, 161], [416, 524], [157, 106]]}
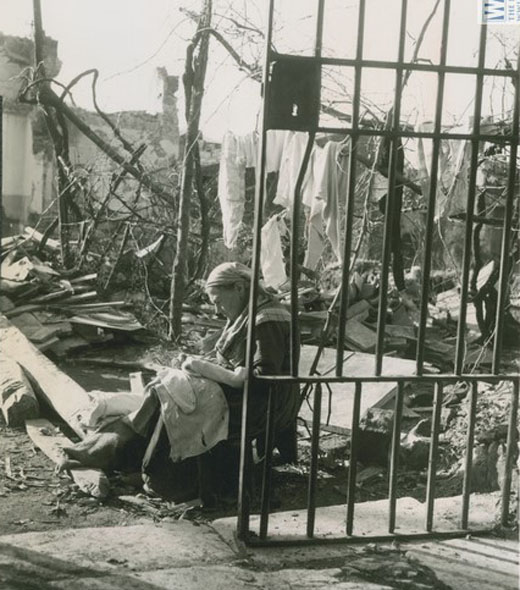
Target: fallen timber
{"points": [[62, 393]]}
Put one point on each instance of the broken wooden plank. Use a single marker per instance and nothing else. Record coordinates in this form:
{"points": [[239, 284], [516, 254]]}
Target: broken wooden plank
{"points": [[363, 338], [47, 438], [33, 329], [32, 234], [16, 394], [66, 396], [358, 308]]}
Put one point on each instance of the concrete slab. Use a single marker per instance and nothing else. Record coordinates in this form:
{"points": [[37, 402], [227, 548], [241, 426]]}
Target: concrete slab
{"points": [[471, 563], [371, 518], [236, 578], [356, 364], [138, 547]]}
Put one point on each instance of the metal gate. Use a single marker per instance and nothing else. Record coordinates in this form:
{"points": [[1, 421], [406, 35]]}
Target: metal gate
{"points": [[305, 116]]}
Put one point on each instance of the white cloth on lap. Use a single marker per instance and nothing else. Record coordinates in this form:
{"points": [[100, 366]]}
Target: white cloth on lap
{"points": [[194, 411]]}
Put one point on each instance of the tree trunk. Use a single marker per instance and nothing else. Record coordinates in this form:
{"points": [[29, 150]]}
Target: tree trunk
{"points": [[59, 139], [193, 79]]}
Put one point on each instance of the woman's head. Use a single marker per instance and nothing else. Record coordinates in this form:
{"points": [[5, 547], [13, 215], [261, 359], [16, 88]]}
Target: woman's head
{"points": [[227, 287]]}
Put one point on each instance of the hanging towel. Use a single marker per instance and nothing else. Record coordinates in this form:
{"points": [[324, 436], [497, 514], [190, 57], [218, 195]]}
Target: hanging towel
{"points": [[231, 187], [274, 149], [329, 186], [292, 156], [271, 257]]}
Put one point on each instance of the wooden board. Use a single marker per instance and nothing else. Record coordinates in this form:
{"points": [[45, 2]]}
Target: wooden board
{"points": [[356, 364], [45, 436], [66, 396], [360, 336]]}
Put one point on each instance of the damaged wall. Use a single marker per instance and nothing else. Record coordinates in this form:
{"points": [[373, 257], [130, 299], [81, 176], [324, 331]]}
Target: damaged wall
{"points": [[27, 162]]}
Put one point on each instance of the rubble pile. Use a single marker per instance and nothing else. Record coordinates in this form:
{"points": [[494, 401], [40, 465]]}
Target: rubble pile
{"points": [[57, 313]]}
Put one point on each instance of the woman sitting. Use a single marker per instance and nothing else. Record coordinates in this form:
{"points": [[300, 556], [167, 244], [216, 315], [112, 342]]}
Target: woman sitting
{"points": [[184, 413]]}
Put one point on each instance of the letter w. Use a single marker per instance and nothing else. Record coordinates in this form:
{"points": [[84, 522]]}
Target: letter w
{"points": [[494, 10]]}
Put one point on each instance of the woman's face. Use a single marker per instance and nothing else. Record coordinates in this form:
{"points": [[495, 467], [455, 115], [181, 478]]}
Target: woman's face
{"points": [[228, 301]]}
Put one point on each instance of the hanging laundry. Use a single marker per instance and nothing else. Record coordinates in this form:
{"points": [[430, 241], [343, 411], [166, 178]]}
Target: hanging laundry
{"points": [[292, 157], [330, 176], [249, 149], [274, 149], [446, 167], [231, 187], [271, 256]]}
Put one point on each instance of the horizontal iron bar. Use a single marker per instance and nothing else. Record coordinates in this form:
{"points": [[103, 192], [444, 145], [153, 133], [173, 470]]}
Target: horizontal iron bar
{"points": [[254, 541], [422, 134], [389, 378], [392, 65]]}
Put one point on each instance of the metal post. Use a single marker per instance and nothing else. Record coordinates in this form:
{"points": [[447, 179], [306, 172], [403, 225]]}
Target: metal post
{"points": [[268, 459], [461, 326], [510, 453], [505, 258], [430, 216], [295, 222], [349, 205], [433, 455], [394, 459], [243, 503], [468, 462], [352, 469], [313, 471], [389, 210]]}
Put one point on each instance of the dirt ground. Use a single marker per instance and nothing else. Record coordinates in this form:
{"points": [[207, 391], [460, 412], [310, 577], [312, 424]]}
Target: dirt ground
{"points": [[34, 497]]}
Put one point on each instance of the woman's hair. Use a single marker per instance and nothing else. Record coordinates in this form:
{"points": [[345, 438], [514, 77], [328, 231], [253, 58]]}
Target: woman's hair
{"points": [[228, 274]]}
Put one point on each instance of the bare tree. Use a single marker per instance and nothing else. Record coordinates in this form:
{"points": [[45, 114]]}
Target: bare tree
{"points": [[193, 80]]}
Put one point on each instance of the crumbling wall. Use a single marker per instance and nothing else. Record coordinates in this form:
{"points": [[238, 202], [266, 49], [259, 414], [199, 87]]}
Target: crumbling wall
{"points": [[27, 163]]}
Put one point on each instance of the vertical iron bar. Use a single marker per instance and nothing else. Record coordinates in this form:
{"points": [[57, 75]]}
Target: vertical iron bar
{"points": [[352, 470], [430, 216], [505, 256], [472, 187], [510, 453], [1, 169], [295, 219], [295, 222], [349, 205], [468, 462], [433, 455], [319, 28], [390, 197], [243, 501], [313, 471], [394, 459], [268, 458]]}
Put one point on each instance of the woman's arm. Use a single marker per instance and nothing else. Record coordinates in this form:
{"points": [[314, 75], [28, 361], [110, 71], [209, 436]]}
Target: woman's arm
{"points": [[215, 372]]}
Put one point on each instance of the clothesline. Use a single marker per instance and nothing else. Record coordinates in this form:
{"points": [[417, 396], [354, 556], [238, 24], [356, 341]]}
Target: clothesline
{"points": [[323, 189]]}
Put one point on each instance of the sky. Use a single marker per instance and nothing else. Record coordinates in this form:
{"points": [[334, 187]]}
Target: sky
{"points": [[128, 39]]}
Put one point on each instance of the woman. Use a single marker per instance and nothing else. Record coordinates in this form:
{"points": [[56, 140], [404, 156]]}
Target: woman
{"points": [[228, 289]]}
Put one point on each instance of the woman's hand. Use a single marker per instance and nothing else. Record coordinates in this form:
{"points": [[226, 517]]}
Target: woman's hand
{"points": [[192, 365]]}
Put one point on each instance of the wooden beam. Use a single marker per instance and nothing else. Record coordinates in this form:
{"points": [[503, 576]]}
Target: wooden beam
{"points": [[49, 440], [66, 396], [17, 398]]}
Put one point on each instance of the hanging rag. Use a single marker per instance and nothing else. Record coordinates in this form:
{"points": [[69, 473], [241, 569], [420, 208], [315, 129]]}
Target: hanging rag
{"points": [[292, 157], [231, 187], [446, 167], [193, 409], [329, 187], [274, 149], [271, 256]]}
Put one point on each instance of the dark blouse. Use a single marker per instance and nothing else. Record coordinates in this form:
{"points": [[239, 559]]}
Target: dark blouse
{"points": [[272, 357]]}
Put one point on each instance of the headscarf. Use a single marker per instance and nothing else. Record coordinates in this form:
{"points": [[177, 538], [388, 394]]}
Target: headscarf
{"points": [[229, 273], [231, 346]]}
